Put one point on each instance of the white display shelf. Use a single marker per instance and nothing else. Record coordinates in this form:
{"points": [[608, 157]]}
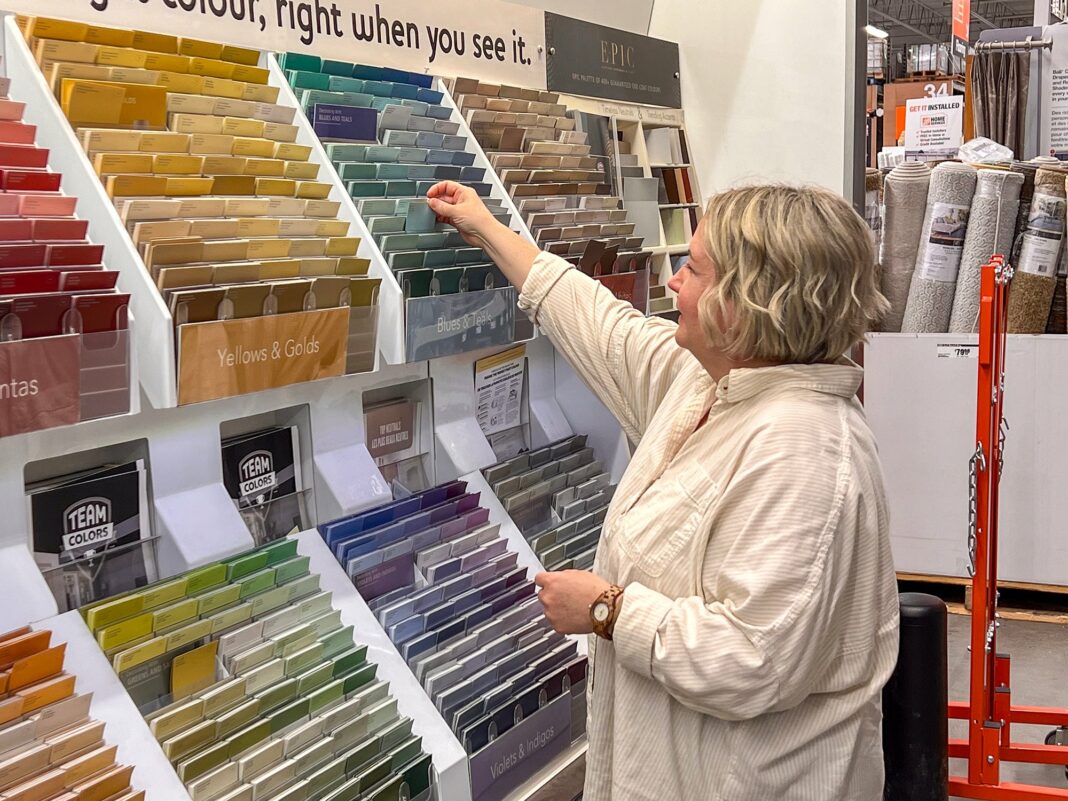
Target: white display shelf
{"points": [[391, 317], [192, 512], [124, 725], [155, 341], [449, 758], [154, 331], [921, 407]]}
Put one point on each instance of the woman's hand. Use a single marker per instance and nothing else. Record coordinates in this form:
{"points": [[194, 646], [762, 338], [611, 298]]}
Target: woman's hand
{"points": [[566, 596], [463, 208]]}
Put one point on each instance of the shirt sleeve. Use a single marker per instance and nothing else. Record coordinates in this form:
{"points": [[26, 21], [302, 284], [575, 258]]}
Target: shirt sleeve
{"points": [[771, 621], [629, 360]]}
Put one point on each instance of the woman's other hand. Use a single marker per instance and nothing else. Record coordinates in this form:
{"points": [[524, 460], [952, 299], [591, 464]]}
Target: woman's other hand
{"points": [[566, 596], [462, 207]]}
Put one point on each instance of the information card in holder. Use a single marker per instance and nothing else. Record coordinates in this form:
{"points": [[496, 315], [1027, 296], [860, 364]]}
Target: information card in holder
{"points": [[91, 533], [262, 474], [501, 401], [395, 439]]}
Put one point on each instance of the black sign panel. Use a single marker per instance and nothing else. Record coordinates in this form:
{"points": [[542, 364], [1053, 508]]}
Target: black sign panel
{"points": [[595, 61]]}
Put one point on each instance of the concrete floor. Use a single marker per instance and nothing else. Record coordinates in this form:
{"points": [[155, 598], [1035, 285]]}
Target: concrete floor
{"points": [[1039, 678]]}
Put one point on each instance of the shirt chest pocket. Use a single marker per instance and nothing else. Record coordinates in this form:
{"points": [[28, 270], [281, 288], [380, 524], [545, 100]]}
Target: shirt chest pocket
{"points": [[666, 519]]}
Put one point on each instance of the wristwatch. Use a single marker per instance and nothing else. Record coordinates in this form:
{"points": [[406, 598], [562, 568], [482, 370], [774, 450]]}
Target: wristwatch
{"points": [[604, 611]]}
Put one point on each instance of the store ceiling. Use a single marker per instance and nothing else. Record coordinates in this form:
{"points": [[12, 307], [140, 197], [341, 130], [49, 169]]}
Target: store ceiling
{"points": [[923, 21]]}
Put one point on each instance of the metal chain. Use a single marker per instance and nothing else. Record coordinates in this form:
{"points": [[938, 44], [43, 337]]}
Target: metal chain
{"points": [[1002, 431], [976, 463]]}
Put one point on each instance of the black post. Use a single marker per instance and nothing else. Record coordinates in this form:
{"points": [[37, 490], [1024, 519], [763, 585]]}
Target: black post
{"points": [[916, 705]]}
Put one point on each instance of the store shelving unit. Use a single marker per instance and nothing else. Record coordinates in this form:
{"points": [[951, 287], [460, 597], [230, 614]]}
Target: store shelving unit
{"points": [[653, 140]]}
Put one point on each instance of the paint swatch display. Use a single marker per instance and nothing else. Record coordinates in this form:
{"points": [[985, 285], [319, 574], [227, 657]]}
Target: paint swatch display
{"points": [[561, 190], [50, 747], [91, 533], [391, 139], [224, 207], [254, 687], [53, 284], [462, 614], [558, 496]]}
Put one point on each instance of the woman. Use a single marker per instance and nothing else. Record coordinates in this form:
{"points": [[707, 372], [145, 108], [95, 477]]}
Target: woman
{"points": [[744, 591]]}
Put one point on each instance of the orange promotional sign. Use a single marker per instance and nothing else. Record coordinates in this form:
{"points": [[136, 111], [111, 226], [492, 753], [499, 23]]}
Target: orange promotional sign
{"points": [[42, 383], [962, 19], [233, 357]]}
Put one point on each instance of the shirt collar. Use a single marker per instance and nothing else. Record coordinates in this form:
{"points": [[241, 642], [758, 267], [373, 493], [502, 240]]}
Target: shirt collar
{"points": [[841, 378]]}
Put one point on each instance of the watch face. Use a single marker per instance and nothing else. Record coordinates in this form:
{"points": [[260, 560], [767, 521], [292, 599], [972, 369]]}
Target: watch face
{"points": [[600, 612]]}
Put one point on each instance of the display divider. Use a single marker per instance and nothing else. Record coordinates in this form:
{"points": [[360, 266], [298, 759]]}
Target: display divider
{"points": [[462, 446], [26, 596], [390, 298], [155, 331], [449, 758], [587, 415], [392, 335], [124, 725]]}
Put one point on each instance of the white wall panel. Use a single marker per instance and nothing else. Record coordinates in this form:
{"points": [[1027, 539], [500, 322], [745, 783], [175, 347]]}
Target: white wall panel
{"points": [[766, 86]]}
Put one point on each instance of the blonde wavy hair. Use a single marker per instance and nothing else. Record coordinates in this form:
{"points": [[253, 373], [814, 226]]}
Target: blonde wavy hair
{"points": [[795, 275]]}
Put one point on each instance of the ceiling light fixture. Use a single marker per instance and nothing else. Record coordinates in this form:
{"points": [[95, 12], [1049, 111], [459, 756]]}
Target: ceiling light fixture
{"points": [[877, 33]]}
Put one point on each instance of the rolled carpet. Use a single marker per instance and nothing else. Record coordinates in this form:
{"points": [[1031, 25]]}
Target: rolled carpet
{"points": [[873, 191], [1058, 309], [1027, 169], [904, 205], [991, 226], [945, 224], [1031, 293]]}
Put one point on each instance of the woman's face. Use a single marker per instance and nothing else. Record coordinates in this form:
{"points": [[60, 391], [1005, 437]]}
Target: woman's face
{"points": [[689, 283]]}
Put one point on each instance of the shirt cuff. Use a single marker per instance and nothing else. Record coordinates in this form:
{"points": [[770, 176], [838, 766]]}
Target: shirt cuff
{"points": [[639, 619], [547, 269]]}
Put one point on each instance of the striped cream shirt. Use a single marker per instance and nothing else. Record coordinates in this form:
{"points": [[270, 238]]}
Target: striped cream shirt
{"points": [[759, 621]]}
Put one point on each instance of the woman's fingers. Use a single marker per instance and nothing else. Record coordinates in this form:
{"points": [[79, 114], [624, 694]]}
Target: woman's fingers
{"points": [[446, 189]]}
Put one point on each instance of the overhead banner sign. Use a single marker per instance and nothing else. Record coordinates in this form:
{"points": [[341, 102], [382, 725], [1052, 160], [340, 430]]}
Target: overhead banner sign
{"points": [[962, 19], [962, 24], [596, 61], [494, 41]]}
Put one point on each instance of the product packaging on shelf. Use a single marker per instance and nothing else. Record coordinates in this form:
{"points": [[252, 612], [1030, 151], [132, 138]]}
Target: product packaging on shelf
{"points": [[64, 343], [233, 223], [254, 687], [444, 586]]}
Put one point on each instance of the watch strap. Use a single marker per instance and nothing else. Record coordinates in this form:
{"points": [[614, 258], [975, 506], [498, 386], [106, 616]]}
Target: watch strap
{"points": [[603, 628]]}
